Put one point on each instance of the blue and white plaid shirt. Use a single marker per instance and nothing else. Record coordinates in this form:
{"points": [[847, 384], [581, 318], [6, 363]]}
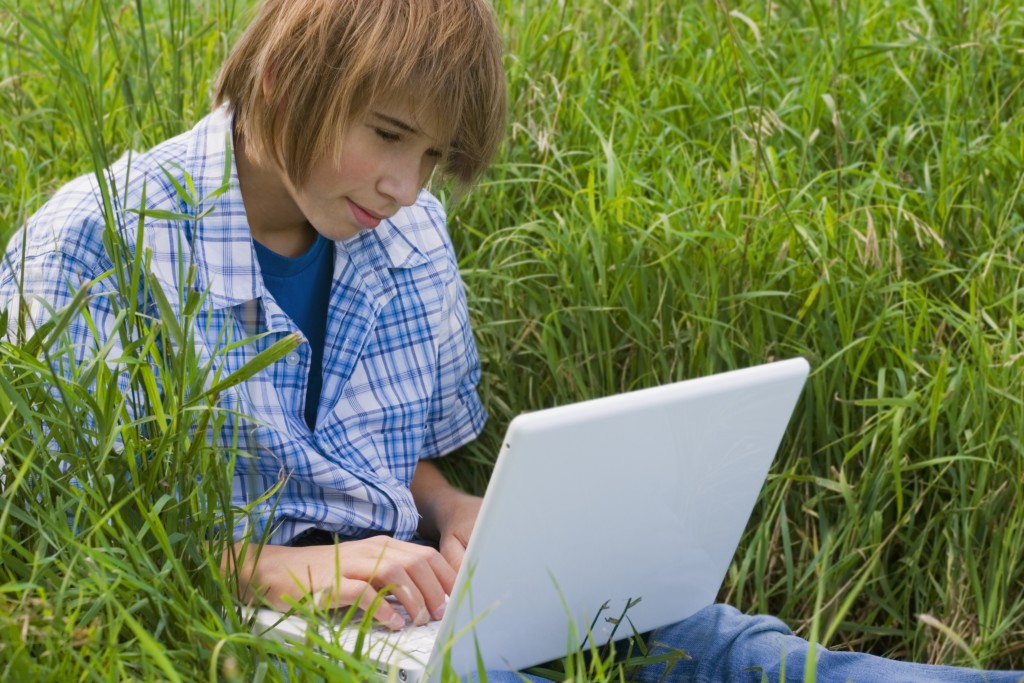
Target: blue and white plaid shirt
{"points": [[400, 363]]}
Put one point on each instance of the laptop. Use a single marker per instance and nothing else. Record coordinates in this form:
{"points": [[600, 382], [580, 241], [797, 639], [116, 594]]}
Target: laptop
{"points": [[601, 517]]}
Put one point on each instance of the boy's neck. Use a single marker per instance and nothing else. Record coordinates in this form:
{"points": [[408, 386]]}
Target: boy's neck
{"points": [[275, 221]]}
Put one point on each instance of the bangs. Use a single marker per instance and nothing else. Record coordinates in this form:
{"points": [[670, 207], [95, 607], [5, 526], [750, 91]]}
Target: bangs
{"points": [[315, 65]]}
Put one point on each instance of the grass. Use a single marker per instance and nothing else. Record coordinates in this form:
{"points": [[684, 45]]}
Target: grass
{"points": [[685, 188]]}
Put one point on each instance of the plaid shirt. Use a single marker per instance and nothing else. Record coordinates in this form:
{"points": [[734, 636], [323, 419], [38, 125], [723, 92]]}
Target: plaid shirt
{"points": [[400, 364]]}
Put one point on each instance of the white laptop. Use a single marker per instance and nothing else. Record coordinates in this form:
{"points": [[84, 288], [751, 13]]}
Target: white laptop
{"points": [[634, 500]]}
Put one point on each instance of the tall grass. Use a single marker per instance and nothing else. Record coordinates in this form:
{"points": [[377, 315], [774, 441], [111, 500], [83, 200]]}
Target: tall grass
{"points": [[687, 187], [691, 187]]}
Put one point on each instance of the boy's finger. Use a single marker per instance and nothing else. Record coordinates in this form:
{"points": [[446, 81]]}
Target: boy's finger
{"points": [[434, 578], [365, 595], [418, 576], [453, 550]]}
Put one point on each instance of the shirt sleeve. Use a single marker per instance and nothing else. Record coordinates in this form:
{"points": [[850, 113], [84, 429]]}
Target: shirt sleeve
{"points": [[457, 415], [47, 263]]}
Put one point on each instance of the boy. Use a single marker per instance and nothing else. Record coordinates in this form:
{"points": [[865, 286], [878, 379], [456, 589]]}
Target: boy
{"points": [[332, 116]]}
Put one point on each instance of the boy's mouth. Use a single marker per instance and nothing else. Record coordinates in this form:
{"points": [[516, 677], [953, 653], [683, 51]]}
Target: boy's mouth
{"points": [[366, 218]]}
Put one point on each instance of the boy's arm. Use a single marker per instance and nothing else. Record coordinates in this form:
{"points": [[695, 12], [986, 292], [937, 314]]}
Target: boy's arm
{"points": [[446, 513], [343, 574], [352, 572]]}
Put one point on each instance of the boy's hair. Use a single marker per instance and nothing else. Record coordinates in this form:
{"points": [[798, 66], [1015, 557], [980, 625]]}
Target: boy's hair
{"points": [[304, 69]]}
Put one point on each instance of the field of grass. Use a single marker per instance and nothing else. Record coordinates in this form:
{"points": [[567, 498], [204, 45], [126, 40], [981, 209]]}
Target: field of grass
{"points": [[686, 187]]}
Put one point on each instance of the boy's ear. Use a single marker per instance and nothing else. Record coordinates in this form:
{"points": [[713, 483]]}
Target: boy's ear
{"points": [[269, 84]]}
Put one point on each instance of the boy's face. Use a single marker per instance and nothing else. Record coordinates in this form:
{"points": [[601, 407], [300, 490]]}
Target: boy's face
{"points": [[387, 157]]}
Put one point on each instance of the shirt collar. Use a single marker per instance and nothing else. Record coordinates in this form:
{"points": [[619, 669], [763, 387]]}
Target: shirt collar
{"points": [[393, 241], [222, 241]]}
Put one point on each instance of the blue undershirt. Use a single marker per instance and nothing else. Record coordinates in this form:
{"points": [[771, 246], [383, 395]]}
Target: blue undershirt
{"points": [[302, 286]]}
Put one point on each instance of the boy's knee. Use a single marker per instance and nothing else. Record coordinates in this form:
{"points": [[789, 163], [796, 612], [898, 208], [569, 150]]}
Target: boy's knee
{"points": [[722, 643]]}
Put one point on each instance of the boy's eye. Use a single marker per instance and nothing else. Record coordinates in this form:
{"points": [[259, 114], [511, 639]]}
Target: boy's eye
{"points": [[391, 136], [387, 135]]}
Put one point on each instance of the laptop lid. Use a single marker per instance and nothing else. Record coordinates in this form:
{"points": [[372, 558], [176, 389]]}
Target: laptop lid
{"points": [[634, 500]]}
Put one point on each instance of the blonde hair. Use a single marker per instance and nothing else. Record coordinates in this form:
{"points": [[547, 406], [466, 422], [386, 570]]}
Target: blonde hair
{"points": [[304, 69]]}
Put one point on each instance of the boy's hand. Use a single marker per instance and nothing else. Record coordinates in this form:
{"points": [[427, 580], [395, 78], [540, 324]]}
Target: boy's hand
{"points": [[455, 527], [446, 513], [351, 573]]}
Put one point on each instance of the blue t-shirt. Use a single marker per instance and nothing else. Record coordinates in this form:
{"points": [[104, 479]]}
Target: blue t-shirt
{"points": [[302, 286]]}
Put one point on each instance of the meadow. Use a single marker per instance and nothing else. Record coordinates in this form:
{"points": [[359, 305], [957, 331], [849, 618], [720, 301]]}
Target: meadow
{"points": [[686, 187]]}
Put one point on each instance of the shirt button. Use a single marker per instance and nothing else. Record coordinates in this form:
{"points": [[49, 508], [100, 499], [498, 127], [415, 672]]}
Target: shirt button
{"points": [[292, 358]]}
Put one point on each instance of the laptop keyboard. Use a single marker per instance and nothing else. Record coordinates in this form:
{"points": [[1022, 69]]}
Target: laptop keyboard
{"points": [[381, 642]]}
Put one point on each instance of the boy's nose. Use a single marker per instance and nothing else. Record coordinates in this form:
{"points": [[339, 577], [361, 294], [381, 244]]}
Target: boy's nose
{"points": [[402, 184]]}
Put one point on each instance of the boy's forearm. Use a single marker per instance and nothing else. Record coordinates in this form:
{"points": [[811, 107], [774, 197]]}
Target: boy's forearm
{"points": [[436, 499], [242, 558]]}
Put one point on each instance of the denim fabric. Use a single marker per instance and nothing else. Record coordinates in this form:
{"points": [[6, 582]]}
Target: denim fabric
{"points": [[726, 645]]}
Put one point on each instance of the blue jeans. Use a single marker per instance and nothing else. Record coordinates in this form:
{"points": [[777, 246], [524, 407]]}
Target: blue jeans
{"points": [[726, 645]]}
